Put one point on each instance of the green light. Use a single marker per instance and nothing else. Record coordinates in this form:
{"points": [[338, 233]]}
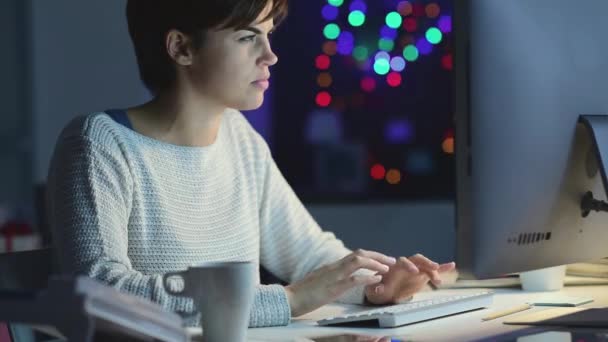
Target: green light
{"points": [[382, 66], [335, 3], [356, 18], [360, 53], [410, 53], [434, 35], [386, 44], [393, 20], [331, 31]]}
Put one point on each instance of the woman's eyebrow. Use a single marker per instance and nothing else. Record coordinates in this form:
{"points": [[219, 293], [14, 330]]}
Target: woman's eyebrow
{"points": [[256, 30]]}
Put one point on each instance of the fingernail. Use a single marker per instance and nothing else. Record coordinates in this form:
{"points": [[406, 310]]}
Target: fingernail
{"points": [[379, 289], [392, 260], [413, 268], [385, 268]]}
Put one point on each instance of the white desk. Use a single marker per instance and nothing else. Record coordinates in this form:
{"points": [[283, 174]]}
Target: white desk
{"points": [[463, 327]]}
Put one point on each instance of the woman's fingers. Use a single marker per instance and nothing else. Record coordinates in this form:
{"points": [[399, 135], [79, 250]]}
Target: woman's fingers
{"points": [[422, 261], [358, 280], [366, 260]]}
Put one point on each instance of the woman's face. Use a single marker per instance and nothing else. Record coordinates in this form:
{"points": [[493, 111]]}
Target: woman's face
{"points": [[232, 67]]}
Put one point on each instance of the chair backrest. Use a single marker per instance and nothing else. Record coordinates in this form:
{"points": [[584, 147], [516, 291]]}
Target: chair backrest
{"points": [[29, 270]]}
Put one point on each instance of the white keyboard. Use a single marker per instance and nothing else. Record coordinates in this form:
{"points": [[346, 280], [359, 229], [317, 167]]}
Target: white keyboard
{"points": [[417, 311]]}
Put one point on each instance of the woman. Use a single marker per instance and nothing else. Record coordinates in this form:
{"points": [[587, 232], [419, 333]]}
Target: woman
{"points": [[183, 179]]}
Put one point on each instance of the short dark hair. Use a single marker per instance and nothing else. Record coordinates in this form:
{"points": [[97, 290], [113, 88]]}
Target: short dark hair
{"points": [[149, 22]]}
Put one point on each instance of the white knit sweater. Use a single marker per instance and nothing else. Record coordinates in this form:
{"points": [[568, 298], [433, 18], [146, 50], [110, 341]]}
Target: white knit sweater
{"points": [[126, 208]]}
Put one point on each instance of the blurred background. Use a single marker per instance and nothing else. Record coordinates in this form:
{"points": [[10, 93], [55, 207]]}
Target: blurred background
{"points": [[359, 116]]}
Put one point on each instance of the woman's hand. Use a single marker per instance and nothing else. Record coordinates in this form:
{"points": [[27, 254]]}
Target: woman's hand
{"points": [[405, 278], [328, 283]]}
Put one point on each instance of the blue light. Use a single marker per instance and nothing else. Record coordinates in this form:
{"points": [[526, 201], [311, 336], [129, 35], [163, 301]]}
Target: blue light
{"points": [[330, 12]]}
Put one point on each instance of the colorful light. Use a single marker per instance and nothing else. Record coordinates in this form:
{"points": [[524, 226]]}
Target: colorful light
{"points": [[447, 62], [378, 172], [410, 53], [445, 24], [331, 31], [330, 48], [382, 55], [394, 79], [448, 146], [434, 35], [393, 20], [399, 131], [398, 64], [346, 43], [324, 80], [388, 32], [368, 84], [382, 66], [360, 53], [358, 5], [323, 99], [424, 47], [356, 18], [405, 8], [386, 44], [410, 25], [336, 3], [432, 10], [393, 176], [330, 12], [322, 62]]}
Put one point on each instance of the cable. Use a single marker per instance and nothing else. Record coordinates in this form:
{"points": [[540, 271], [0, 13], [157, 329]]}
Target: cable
{"points": [[589, 204]]}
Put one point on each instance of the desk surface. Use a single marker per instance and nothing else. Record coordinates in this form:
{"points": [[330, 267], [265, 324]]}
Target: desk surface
{"points": [[462, 327]]}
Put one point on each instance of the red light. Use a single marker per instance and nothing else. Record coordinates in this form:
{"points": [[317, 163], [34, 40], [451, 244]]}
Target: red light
{"points": [[368, 84], [378, 172], [449, 134], [322, 62], [394, 79], [323, 99], [410, 25], [419, 10], [447, 62]]}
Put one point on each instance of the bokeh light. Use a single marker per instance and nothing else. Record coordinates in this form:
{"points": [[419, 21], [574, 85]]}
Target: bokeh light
{"points": [[447, 62], [382, 66], [386, 44], [323, 99], [330, 48], [378, 172], [432, 10], [358, 5], [424, 47], [434, 35], [445, 24], [410, 25], [356, 18], [394, 79], [336, 3], [404, 8], [393, 20], [324, 80], [368, 84], [448, 145], [331, 31], [322, 62], [410, 53], [398, 64], [382, 55], [388, 32], [393, 176], [360, 53], [330, 12]]}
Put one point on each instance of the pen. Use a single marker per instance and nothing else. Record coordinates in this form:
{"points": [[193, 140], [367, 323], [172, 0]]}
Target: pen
{"points": [[506, 312]]}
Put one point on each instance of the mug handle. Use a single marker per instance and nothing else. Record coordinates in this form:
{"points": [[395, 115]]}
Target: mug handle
{"points": [[181, 274]]}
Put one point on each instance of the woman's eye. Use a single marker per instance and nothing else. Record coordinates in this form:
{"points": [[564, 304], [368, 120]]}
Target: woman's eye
{"points": [[248, 38]]}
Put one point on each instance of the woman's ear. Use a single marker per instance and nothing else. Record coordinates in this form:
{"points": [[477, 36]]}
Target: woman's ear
{"points": [[179, 47]]}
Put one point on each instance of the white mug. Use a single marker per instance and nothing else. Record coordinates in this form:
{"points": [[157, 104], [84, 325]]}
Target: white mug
{"points": [[223, 293]]}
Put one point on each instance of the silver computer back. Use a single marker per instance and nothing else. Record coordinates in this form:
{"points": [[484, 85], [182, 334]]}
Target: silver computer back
{"points": [[525, 71]]}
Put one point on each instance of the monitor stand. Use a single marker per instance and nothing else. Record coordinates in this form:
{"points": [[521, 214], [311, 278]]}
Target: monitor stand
{"points": [[597, 128]]}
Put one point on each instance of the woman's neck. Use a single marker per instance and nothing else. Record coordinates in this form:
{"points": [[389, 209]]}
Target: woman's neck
{"points": [[178, 117]]}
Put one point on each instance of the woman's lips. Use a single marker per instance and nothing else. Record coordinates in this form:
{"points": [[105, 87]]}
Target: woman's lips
{"points": [[262, 84]]}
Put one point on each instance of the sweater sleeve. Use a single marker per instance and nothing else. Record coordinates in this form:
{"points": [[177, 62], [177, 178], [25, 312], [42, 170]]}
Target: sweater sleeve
{"points": [[89, 197], [293, 244]]}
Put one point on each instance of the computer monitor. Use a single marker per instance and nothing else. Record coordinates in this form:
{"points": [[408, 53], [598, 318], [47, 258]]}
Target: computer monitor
{"points": [[525, 72]]}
